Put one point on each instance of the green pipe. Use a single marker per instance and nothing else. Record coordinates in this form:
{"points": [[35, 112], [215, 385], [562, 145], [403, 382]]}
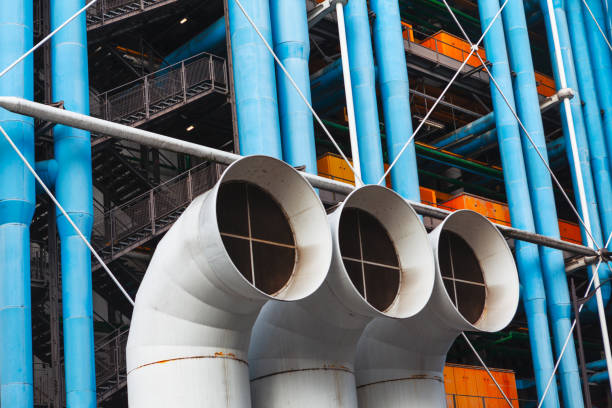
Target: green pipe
{"points": [[440, 155]]}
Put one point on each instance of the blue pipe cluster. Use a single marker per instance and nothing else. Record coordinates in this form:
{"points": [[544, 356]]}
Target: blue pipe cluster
{"points": [[254, 80], [73, 188], [292, 46], [527, 257], [17, 202], [580, 130], [395, 94], [363, 78], [542, 198]]}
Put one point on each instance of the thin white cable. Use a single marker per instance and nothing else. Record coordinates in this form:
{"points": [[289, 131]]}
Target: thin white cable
{"points": [[474, 49], [47, 38], [59, 206], [487, 369], [605, 37], [299, 91]]}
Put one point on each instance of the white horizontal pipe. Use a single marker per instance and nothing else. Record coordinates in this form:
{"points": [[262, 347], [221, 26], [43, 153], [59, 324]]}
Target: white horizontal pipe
{"points": [[104, 127]]}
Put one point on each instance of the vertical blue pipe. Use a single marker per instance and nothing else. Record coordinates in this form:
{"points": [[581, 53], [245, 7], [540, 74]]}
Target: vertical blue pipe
{"points": [[363, 77], [528, 262], [254, 80], [579, 127], [74, 191], [395, 93], [592, 116], [542, 198], [292, 46], [601, 63], [17, 200]]}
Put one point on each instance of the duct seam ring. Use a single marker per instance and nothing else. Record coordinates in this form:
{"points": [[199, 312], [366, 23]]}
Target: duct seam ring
{"points": [[326, 368], [412, 377], [228, 356]]}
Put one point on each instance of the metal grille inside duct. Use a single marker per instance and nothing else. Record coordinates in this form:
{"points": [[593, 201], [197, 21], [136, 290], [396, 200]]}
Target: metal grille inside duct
{"points": [[369, 257], [256, 235], [462, 275]]}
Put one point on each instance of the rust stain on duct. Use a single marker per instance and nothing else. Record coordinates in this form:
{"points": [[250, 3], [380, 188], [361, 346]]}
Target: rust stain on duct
{"points": [[324, 368], [219, 354], [412, 377]]}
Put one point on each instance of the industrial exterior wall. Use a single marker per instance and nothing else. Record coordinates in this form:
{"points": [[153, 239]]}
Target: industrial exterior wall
{"points": [[471, 387]]}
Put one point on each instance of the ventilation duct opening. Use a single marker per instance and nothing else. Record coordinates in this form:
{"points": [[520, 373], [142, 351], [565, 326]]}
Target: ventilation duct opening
{"points": [[261, 233], [462, 276], [257, 235], [302, 353], [400, 361], [369, 257]]}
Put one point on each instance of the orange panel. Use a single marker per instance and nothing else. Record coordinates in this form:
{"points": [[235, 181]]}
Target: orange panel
{"points": [[453, 47], [449, 380], [334, 167], [497, 212], [570, 232], [546, 85], [475, 389], [428, 196]]}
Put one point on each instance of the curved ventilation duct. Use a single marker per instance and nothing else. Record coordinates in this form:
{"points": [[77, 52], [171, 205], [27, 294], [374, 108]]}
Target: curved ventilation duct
{"points": [[261, 233], [302, 353], [399, 362]]}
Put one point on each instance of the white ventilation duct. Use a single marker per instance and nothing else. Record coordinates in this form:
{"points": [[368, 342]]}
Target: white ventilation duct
{"points": [[261, 233], [400, 362], [302, 353]]}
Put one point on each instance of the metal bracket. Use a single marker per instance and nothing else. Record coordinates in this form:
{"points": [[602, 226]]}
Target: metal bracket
{"points": [[321, 10], [560, 96]]}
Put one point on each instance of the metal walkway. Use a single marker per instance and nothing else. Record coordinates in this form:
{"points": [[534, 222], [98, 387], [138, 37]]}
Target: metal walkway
{"points": [[105, 12], [161, 92], [149, 215]]}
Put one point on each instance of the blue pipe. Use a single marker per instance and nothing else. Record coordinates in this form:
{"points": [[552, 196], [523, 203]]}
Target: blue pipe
{"points": [[528, 262], [542, 198], [363, 79], [292, 46], [480, 125], [486, 139], [209, 40], [598, 378], [580, 130], [601, 63], [327, 76], [47, 171], [254, 80], [598, 365], [73, 189], [17, 201], [395, 95], [592, 114]]}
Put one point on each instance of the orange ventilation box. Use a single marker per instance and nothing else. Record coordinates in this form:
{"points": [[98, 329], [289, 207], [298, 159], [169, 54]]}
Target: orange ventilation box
{"points": [[495, 211], [453, 47], [407, 32], [570, 232], [468, 387], [546, 85]]}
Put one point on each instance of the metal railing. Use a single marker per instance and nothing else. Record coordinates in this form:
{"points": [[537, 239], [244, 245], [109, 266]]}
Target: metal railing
{"points": [[157, 93], [473, 401], [107, 11], [44, 385], [129, 225], [111, 374], [39, 264]]}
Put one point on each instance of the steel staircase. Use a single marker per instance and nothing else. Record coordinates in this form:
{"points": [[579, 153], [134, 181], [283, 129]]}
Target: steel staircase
{"points": [[109, 11]]}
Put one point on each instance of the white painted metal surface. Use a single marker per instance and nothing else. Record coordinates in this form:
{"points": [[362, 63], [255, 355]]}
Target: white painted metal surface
{"points": [[400, 363], [194, 310], [302, 353]]}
